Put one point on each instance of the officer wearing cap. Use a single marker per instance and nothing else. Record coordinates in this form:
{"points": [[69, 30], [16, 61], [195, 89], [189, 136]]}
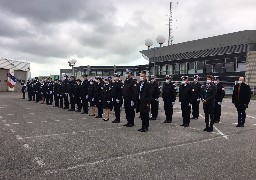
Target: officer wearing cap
{"points": [[91, 96], [78, 95], [65, 85], [49, 92], [107, 97], [30, 90], [155, 92], [84, 95], [23, 89], [99, 86], [185, 99], [144, 95], [36, 88], [60, 93], [208, 98], [129, 95], [71, 91], [218, 99], [117, 87], [196, 95], [169, 98], [56, 93]]}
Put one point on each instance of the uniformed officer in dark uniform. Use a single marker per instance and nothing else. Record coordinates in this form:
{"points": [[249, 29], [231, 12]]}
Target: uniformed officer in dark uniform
{"points": [[145, 99], [208, 99], [71, 91], [30, 90], [218, 99], [169, 98], [129, 95], [91, 94], [155, 93], [60, 93], [107, 97], [36, 88], [185, 99], [241, 98], [84, 95], [65, 86], [117, 88], [78, 95], [196, 96], [56, 93], [49, 92], [23, 90], [99, 96]]}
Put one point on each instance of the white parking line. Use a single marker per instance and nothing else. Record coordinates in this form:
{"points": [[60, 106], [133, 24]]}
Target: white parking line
{"points": [[29, 122], [15, 123], [221, 133], [9, 114], [44, 121], [127, 156], [8, 125], [57, 120]]}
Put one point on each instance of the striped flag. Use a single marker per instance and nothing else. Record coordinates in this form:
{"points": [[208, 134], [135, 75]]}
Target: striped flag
{"points": [[11, 80]]}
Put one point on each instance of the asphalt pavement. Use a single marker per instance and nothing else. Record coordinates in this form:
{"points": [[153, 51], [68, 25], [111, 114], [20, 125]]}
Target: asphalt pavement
{"points": [[39, 141]]}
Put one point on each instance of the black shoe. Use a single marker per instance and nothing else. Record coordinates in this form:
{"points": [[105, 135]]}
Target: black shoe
{"points": [[66, 108], [98, 117], [140, 129], [167, 121], [238, 125], [210, 130], [143, 130], [186, 125], [125, 125], [242, 125], [115, 121], [182, 125], [71, 110], [129, 125], [206, 129]]}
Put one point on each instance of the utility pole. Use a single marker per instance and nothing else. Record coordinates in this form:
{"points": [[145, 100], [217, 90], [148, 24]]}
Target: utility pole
{"points": [[170, 39]]}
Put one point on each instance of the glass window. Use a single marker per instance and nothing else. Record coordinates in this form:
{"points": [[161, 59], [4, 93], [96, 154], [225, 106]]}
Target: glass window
{"points": [[191, 68], [105, 73], [230, 67], [241, 67], [176, 69], [163, 71], [93, 73], [208, 68], [169, 69], [99, 73], [183, 68], [218, 68]]}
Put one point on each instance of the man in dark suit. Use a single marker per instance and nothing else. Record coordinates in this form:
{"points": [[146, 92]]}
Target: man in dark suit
{"points": [[117, 96], [196, 95], [241, 98], [218, 99], [145, 98], [71, 91], [129, 95], [208, 99], [185, 98], [84, 95], [155, 93]]}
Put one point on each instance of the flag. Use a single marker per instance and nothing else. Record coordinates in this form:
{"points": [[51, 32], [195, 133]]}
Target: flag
{"points": [[11, 80]]}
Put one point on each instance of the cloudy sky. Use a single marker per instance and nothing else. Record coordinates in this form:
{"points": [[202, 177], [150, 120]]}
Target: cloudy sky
{"points": [[47, 33]]}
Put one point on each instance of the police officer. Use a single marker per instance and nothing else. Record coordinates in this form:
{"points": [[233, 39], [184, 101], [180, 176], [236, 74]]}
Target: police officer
{"points": [[208, 99], [65, 86], [99, 90], [129, 95], [91, 94], [56, 92], [84, 95], [71, 91], [218, 99], [107, 97], [185, 99], [117, 87], [196, 95], [60, 93], [36, 88], [43, 91], [30, 90], [145, 98], [23, 90], [241, 98], [169, 98], [155, 92], [78, 95]]}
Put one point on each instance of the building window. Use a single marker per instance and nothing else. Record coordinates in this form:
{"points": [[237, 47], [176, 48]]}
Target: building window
{"points": [[240, 67], [93, 73], [176, 69], [218, 68], [169, 69], [183, 68], [230, 67], [199, 67], [191, 68], [163, 70], [105, 73], [99, 73]]}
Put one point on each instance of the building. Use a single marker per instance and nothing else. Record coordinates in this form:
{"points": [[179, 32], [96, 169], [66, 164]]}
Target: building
{"points": [[228, 56], [104, 71], [21, 70]]}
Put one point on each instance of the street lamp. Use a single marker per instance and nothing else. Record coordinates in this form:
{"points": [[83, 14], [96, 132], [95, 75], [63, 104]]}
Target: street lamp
{"points": [[72, 63], [148, 42]]}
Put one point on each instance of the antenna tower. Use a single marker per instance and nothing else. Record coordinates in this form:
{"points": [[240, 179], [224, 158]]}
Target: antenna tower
{"points": [[170, 39]]}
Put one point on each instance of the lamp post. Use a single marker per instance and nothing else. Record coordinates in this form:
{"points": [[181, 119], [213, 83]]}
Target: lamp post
{"points": [[72, 63], [148, 42]]}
